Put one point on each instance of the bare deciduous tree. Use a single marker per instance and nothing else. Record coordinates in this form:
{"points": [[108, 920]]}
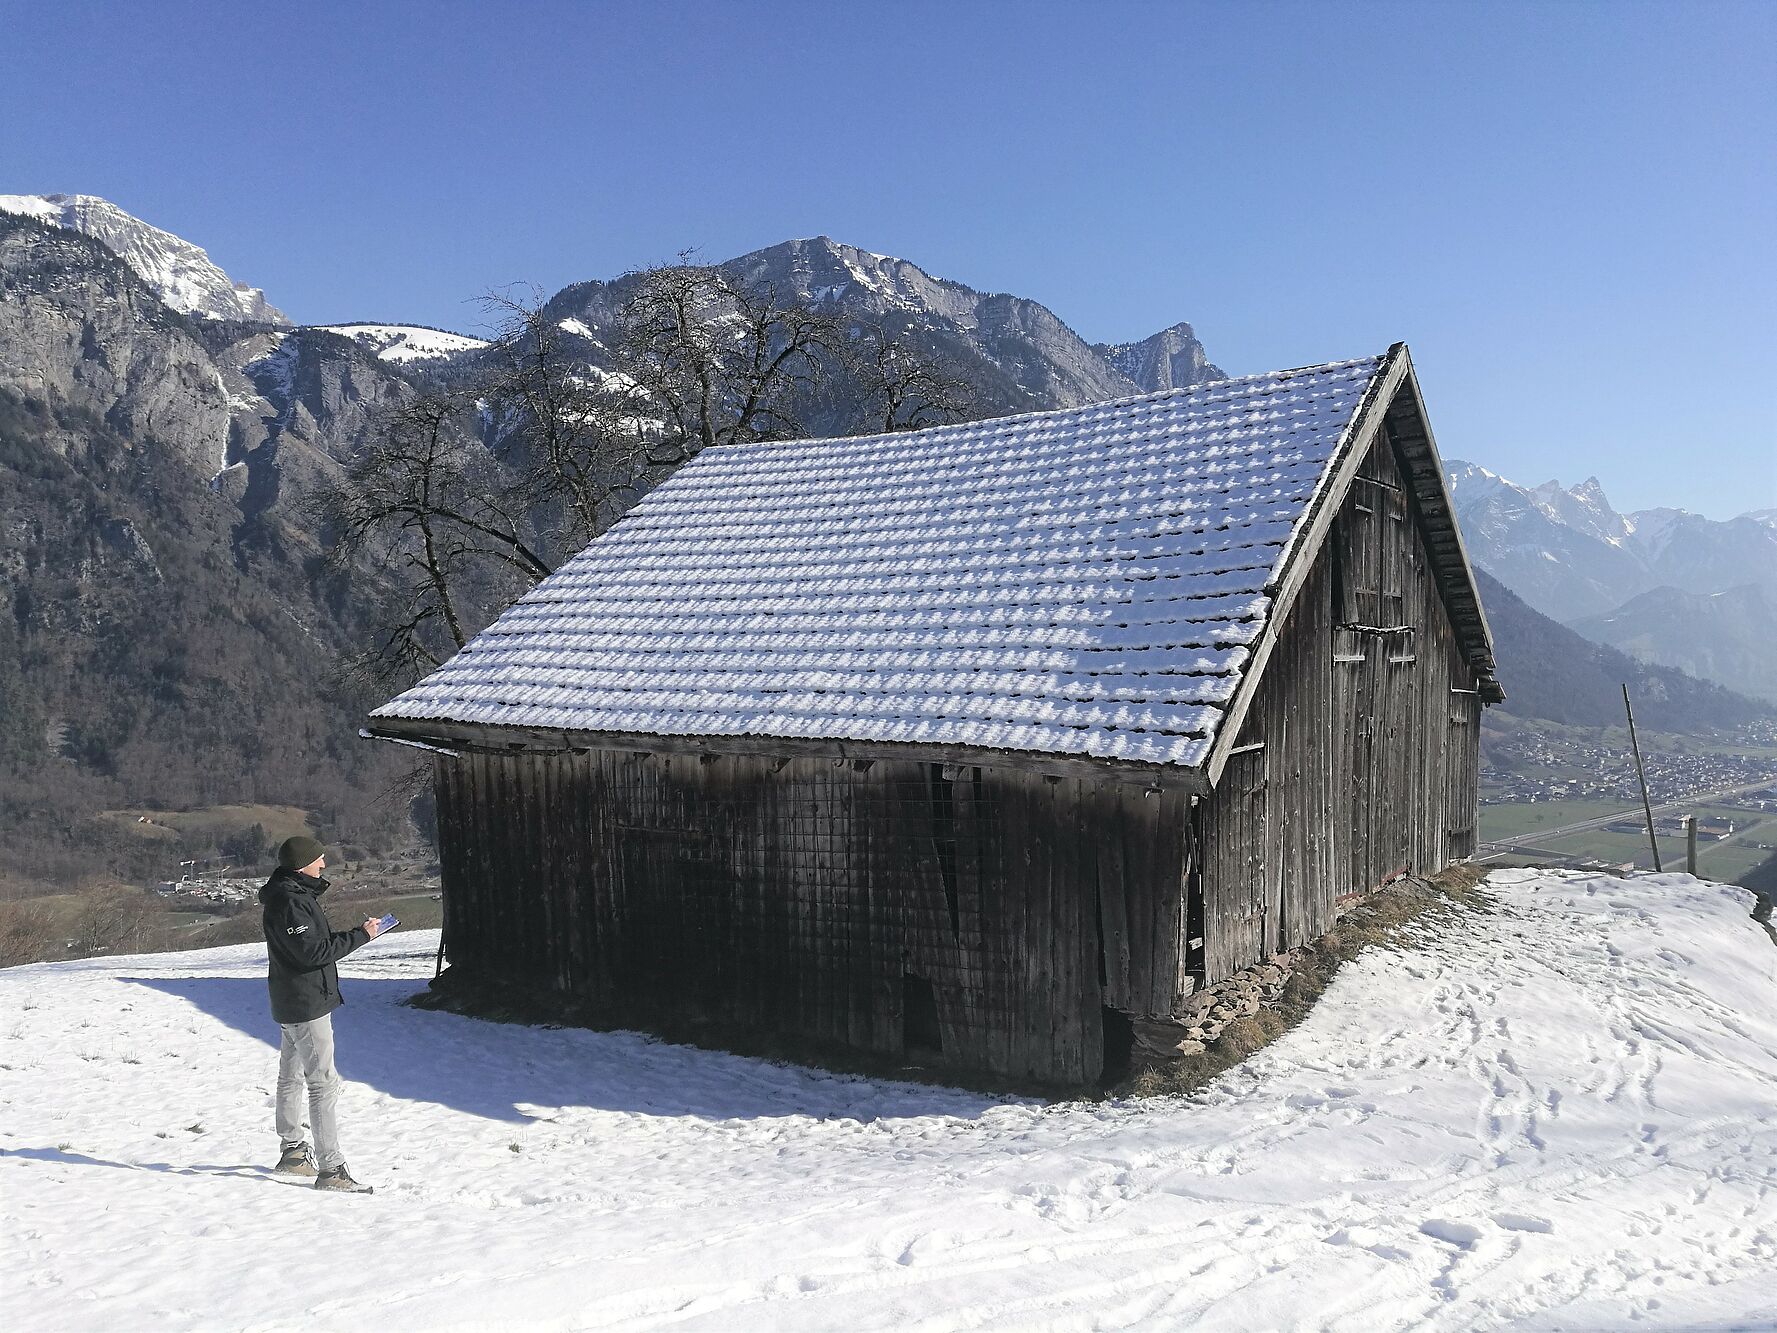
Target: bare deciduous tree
{"points": [[430, 505], [114, 919], [907, 387], [576, 436], [720, 363]]}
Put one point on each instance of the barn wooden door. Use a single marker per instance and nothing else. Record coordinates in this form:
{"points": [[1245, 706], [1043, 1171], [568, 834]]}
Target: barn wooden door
{"points": [[1394, 747], [1461, 752], [1357, 671], [1236, 870], [1357, 668], [1374, 672]]}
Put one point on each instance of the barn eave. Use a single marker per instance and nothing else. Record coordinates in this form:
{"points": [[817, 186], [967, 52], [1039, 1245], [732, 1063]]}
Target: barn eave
{"points": [[466, 737]]}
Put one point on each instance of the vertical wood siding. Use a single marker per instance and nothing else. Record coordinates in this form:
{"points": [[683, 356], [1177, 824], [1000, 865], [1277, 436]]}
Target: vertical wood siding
{"points": [[801, 897], [1370, 749]]}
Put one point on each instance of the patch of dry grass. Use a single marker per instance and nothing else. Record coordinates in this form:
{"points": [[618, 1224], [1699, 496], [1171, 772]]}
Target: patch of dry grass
{"points": [[278, 821]]}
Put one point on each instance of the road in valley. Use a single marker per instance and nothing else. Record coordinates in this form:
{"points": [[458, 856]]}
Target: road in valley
{"points": [[1529, 842]]}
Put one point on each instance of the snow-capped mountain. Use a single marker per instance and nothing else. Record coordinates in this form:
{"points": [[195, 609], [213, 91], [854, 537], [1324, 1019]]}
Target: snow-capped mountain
{"points": [[82, 333], [1571, 555], [1663, 585], [1557, 550], [177, 271], [1585, 509]]}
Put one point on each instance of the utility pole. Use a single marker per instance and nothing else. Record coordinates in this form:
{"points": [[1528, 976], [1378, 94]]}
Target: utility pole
{"points": [[1641, 773], [1690, 844]]}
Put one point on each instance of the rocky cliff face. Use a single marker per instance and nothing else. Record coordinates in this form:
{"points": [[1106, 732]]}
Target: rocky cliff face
{"points": [[1170, 359], [157, 642], [258, 412], [80, 331], [302, 402]]}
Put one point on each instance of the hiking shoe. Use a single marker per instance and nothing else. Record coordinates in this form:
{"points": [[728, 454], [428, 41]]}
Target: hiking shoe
{"points": [[340, 1179], [298, 1160]]}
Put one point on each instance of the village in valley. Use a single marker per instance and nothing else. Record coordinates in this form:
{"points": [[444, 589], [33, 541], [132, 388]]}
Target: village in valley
{"points": [[1564, 795]]}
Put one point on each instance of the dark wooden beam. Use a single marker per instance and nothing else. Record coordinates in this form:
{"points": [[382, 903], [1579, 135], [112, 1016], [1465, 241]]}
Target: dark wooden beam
{"points": [[462, 736]]}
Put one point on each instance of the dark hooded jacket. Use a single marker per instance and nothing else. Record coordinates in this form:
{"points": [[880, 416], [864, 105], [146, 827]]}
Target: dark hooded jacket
{"points": [[303, 950]]}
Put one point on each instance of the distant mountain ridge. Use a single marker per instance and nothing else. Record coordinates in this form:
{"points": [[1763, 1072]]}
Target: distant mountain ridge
{"points": [[1551, 672], [1571, 555], [1016, 353], [1728, 636], [177, 271], [297, 401]]}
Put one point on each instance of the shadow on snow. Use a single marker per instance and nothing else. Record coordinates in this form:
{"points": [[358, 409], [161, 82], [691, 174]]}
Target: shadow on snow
{"points": [[517, 1073], [81, 1159]]}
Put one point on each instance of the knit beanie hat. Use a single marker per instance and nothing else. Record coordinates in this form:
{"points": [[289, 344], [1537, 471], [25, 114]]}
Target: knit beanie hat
{"points": [[302, 850]]}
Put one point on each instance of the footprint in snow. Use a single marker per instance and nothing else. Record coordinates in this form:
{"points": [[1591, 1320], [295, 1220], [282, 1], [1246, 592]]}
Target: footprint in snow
{"points": [[1523, 1222], [1463, 1235]]}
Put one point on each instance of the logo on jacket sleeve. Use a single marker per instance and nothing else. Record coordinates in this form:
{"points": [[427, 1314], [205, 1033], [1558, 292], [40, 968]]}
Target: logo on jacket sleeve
{"points": [[294, 930]]}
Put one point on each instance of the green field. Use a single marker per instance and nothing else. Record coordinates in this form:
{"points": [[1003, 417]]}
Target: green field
{"points": [[1520, 818], [1731, 860]]}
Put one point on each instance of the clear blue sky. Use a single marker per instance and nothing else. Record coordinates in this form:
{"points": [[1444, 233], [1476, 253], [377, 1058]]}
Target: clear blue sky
{"points": [[1567, 209]]}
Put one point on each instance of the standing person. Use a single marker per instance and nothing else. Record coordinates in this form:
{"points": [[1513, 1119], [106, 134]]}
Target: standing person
{"points": [[303, 951]]}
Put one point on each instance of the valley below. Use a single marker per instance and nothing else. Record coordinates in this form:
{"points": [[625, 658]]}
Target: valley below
{"points": [[1560, 795]]}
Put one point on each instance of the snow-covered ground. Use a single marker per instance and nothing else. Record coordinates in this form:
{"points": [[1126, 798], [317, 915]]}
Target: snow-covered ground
{"points": [[402, 343], [1562, 1115]]}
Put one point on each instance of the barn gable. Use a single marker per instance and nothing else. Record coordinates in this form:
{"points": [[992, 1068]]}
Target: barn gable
{"points": [[1097, 586], [1393, 413]]}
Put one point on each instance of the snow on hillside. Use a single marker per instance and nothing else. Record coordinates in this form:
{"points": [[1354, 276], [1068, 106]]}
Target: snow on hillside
{"points": [[180, 273], [1560, 1115], [402, 343]]}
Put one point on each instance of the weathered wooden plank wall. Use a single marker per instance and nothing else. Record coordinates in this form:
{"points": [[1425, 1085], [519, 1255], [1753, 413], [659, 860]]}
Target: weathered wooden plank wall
{"points": [[822, 900], [1369, 748]]}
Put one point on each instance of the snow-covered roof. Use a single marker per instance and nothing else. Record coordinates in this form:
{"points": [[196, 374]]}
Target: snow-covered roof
{"points": [[1084, 582]]}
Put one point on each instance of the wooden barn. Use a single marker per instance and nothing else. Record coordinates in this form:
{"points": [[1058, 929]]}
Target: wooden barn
{"points": [[974, 742]]}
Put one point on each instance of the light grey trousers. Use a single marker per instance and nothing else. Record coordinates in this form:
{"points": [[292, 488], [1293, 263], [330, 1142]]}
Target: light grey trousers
{"points": [[305, 1066]]}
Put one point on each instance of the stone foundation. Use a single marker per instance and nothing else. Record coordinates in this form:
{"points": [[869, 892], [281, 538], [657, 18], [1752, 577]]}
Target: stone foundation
{"points": [[1201, 1017]]}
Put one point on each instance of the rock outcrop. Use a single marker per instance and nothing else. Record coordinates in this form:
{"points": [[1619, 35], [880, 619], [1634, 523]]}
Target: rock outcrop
{"points": [[79, 330]]}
